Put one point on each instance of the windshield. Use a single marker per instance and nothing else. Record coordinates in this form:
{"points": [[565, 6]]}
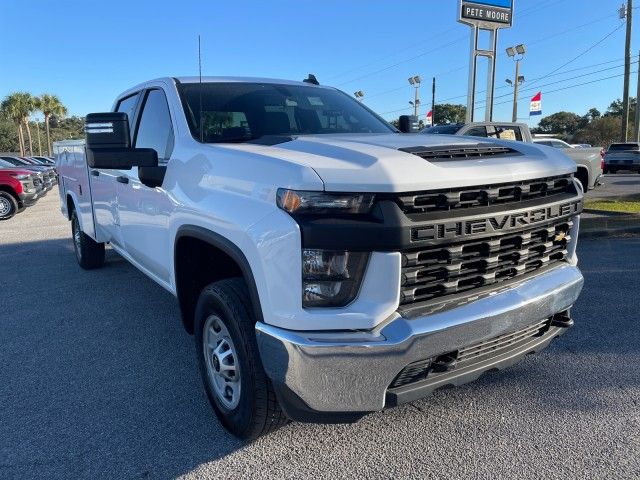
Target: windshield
{"points": [[623, 146], [236, 112], [443, 129]]}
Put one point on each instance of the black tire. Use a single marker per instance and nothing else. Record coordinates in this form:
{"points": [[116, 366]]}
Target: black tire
{"points": [[583, 178], [257, 411], [8, 205], [89, 253], [605, 170]]}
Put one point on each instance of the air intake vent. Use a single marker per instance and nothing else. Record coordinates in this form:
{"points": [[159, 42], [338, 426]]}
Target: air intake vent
{"points": [[450, 153]]}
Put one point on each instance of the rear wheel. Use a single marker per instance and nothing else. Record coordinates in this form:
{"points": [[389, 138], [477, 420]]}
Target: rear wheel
{"points": [[605, 170], [235, 382], [89, 253], [8, 206]]}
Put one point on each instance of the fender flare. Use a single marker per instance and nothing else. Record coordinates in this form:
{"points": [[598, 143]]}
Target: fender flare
{"points": [[74, 200], [229, 248]]}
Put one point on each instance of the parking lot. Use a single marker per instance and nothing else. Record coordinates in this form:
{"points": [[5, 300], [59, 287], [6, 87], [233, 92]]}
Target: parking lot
{"points": [[616, 185], [99, 380]]}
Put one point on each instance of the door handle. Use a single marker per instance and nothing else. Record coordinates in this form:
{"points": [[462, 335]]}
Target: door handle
{"points": [[95, 173], [123, 179]]}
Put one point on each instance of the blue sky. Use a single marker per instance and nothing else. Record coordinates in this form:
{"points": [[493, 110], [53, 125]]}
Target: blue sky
{"points": [[88, 52]]}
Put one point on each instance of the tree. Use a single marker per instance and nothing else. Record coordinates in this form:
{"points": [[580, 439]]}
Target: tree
{"points": [[50, 105], [561, 123], [449, 113], [601, 131], [17, 107]]}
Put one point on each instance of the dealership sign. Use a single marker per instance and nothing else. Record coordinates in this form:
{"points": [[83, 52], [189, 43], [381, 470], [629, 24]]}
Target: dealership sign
{"points": [[489, 14]]}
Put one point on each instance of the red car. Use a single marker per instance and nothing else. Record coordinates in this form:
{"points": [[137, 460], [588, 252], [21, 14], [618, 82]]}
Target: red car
{"points": [[18, 189]]}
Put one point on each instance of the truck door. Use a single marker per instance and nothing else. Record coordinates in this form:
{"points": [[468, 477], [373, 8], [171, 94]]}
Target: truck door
{"points": [[143, 211], [104, 191]]}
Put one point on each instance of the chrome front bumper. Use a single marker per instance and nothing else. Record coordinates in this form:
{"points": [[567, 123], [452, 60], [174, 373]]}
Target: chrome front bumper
{"points": [[351, 371]]}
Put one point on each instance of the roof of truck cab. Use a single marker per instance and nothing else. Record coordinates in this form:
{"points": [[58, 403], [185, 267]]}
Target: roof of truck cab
{"points": [[275, 81]]}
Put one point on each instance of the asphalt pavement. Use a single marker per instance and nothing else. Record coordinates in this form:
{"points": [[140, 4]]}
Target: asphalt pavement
{"points": [[99, 380], [616, 185]]}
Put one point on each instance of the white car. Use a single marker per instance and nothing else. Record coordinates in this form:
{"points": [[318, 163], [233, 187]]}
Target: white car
{"points": [[327, 265]]}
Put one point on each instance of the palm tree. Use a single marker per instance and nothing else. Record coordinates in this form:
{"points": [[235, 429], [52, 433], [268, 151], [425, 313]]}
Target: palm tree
{"points": [[50, 105], [18, 106]]}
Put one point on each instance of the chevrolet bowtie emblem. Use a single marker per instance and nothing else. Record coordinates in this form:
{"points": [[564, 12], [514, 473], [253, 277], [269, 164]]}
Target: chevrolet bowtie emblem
{"points": [[561, 236]]}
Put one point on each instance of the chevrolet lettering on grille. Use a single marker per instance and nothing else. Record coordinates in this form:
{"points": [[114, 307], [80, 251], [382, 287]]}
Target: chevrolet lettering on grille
{"points": [[472, 226]]}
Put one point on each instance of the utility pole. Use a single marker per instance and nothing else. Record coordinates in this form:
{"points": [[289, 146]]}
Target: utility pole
{"points": [[627, 71], [636, 125], [433, 102]]}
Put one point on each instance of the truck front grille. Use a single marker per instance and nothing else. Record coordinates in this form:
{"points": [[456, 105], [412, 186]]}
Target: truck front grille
{"points": [[436, 271], [504, 194]]}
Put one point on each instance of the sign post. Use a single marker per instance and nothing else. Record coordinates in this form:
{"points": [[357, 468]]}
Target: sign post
{"points": [[488, 15]]}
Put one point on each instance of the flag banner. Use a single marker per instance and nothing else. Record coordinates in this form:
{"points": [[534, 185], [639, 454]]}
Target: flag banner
{"points": [[429, 121], [536, 104]]}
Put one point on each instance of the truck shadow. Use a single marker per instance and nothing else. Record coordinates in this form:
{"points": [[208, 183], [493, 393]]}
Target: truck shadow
{"points": [[100, 379]]}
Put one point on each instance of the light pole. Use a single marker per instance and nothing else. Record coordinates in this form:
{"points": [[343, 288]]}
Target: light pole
{"points": [[516, 53], [415, 83], [359, 94]]}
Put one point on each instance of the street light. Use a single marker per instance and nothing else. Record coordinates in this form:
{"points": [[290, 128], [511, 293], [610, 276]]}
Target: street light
{"points": [[516, 53], [415, 83], [359, 94]]}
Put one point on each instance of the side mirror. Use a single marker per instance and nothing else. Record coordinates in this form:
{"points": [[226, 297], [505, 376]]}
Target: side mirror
{"points": [[408, 124], [109, 143]]}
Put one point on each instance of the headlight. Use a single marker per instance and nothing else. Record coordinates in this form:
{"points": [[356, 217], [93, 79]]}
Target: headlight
{"points": [[301, 202], [20, 176], [331, 278]]}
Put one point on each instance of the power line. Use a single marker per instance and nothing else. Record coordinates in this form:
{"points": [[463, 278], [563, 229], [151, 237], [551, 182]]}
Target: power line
{"points": [[584, 52], [403, 61], [577, 85], [564, 32], [547, 76], [532, 89]]}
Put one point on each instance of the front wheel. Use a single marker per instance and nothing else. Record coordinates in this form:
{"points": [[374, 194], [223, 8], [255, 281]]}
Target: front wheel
{"points": [[8, 206], [89, 253], [235, 382]]}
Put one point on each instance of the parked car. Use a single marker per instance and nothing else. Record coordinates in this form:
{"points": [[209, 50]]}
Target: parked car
{"points": [[622, 156], [49, 175], [18, 190], [44, 160], [588, 160], [327, 265], [581, 145]]}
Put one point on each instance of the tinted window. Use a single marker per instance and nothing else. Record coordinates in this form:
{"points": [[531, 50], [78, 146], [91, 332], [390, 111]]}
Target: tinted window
{"points": [[236, 112], [155, 130], [623, 146], [443, 129], [128, 105], [476, 132]]}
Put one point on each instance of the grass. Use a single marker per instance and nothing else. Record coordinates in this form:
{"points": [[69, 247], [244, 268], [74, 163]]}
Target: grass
{"points": [[622, 205]]}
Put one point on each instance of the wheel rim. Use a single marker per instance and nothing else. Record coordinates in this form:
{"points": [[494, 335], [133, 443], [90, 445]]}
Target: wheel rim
{"points": [[221, 359], [76, 238], [5, 207]]}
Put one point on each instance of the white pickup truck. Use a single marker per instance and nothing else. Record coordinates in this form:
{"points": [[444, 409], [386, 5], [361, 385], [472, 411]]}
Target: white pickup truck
{"points": [[327, 265]]}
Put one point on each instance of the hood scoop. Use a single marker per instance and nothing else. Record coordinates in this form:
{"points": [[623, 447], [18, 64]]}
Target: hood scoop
{"points": [[451, 153]]}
